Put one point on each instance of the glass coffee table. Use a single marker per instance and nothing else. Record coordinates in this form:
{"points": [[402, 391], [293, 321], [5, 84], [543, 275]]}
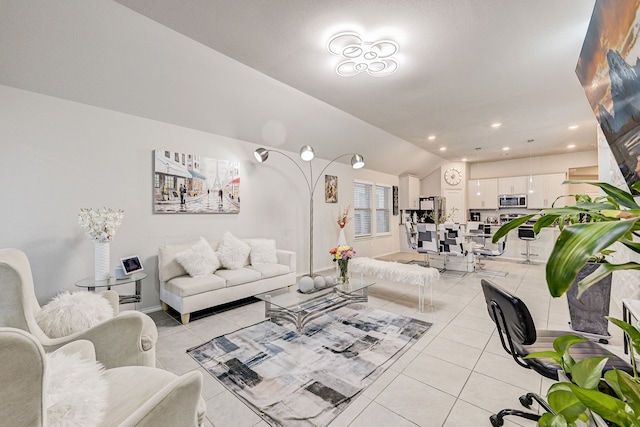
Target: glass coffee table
{"points": [[300, 308]]}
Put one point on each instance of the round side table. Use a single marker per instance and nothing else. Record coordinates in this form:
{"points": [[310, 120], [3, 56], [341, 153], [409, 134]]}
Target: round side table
{"points": [[91, 284]]}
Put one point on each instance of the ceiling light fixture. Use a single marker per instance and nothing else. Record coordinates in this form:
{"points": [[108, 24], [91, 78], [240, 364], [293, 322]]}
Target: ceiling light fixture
{"points": [[505, 148], [572, 127], [431, 137], [443, 148], [571, 146], [496, 125], [463, 160], [376, 58]]}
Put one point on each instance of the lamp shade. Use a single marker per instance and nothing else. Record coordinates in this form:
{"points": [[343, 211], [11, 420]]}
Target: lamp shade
{"points": [[357, 161], [261, 154], [306, 153]]}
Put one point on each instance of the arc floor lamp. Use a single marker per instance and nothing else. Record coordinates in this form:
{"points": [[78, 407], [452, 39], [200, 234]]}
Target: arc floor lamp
{"points": [[307, 154]]}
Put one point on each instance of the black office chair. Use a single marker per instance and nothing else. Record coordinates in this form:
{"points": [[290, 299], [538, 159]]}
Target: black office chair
{"points": [[519, 337]]}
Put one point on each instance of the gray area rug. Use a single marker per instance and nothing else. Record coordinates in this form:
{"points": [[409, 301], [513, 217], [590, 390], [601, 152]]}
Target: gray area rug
{"points": [[308, 378]]}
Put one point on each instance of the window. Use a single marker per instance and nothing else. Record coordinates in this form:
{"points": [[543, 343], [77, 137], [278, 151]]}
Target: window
{"points": [[362, 208], [382, 209]]}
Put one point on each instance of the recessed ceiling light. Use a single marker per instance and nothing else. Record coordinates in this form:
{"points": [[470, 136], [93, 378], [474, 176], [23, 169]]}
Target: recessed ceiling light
{"points": [[375, 57], [505, 148], [443, 148], [572, 127], [496, 125], [571, 146], [464, 160], [431, 137]]}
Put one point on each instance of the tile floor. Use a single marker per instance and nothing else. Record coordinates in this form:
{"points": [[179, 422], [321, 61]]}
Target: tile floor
{"points": [[457, 375]]}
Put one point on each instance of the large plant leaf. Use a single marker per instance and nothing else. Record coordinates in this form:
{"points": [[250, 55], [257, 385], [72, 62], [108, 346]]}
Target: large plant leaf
{"points": [[575, 245], [632, 331], [601, 272], [587, 372], [544, 221], [565, 403], [511, 225], [563, 342], [624, 198], [625, 387], [549, 420], [608, 407]]}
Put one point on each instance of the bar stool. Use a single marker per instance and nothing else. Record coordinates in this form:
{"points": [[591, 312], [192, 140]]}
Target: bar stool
{"points": [[526, 233]]}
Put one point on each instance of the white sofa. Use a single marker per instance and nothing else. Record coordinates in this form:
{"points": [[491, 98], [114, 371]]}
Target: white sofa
{"points": [[187, 294]]}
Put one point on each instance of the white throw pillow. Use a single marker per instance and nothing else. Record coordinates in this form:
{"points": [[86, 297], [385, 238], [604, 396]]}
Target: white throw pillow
{"points": [[199, 260], [76, 391], [263, 251], [233, 253], [71, 312]]}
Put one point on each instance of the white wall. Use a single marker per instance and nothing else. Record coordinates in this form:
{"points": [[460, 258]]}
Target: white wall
{"points": [[431, 185], [59, 156]]}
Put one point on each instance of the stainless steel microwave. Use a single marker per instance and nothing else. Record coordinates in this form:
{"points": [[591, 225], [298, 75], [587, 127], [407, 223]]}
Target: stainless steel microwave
{"points": [[512, 201]]}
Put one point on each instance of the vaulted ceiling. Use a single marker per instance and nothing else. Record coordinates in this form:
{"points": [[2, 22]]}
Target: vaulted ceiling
{"points": [[463, 66]]}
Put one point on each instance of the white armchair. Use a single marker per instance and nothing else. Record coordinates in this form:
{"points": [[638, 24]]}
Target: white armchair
{"points": [[127, 339], [135, 395]]}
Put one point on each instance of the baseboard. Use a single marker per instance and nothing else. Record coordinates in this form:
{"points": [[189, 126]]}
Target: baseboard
{"points": [[151, 309]]}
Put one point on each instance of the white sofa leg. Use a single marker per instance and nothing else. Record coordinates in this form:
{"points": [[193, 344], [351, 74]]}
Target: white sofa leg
{"points": [[185, 318]]}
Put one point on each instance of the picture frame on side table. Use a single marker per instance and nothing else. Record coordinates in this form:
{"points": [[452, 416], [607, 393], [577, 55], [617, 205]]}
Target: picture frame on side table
{"points": [[131, 264]]}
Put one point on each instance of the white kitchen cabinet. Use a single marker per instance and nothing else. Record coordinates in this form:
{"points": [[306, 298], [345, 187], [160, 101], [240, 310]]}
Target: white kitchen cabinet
{"points": [[545, 190], [408, 192], [512, 185], [482, 193]]}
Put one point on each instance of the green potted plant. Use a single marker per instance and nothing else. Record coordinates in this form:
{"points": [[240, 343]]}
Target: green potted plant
{"points": [[587, 230], [588, 396]]}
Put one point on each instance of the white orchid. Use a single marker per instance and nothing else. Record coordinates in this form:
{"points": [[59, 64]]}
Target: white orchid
{"points": [[101, 224]]}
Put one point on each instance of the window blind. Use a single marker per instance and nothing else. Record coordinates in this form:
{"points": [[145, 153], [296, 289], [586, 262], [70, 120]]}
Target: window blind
{"points": [[382, 209], [362, 208]]}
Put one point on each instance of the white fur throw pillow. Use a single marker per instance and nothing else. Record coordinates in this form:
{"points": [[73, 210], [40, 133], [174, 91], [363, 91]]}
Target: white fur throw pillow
{"points": [[76, 391], [233, 253], [71, 312], [263, 251], [199, 260]]}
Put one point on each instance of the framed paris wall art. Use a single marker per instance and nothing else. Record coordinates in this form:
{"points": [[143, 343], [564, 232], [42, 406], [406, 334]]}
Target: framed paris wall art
{"points": [[188, 183]]}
